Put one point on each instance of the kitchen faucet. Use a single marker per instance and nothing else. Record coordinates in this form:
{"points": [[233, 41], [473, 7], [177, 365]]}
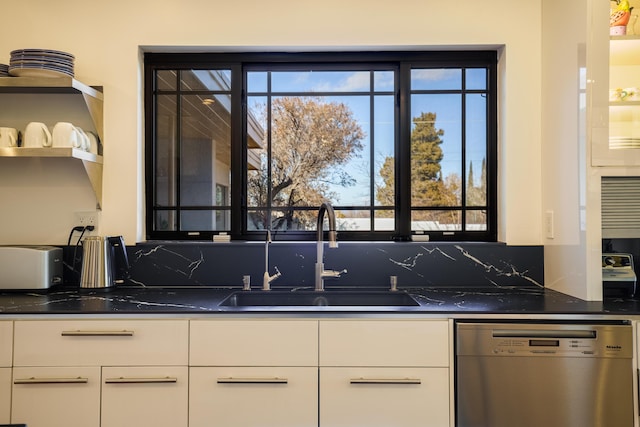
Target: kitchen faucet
{"points": [[267, 279], [321, 273]]}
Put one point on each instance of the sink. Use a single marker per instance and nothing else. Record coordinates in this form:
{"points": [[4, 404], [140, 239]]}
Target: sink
{"points": [[312, 298]]}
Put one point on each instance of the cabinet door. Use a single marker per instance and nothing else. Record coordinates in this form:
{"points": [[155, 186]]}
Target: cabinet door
{"points": [[46, 397], [101, 342], [383, 397], [384, 343], [253, 397], [6, 343], [145, 396], [254, 343], [5, 395]]}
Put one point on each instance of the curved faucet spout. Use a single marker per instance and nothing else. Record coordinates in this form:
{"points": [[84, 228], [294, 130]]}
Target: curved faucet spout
{"points": [[321, 273], [331, 216]]}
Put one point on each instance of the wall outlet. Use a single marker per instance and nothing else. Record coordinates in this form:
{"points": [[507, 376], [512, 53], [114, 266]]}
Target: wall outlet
{"points": [[85, 219]]}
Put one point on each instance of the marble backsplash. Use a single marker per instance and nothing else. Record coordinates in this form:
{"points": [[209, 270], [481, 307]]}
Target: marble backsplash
{"points": [[369, 264]]}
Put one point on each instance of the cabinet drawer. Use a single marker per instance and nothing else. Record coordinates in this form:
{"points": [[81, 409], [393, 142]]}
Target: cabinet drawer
{"points": [[98, 342], [145, 396], [253, 396], [5, 395], [382, 397], [45, 397], [254, 343], [384, 343], [6, 343]]}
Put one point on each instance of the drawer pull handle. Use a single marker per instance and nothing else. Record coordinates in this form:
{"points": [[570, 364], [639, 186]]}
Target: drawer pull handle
{"points": [[232, 380], [34, 380], [125, 380], [393, 381], [79, 333]]}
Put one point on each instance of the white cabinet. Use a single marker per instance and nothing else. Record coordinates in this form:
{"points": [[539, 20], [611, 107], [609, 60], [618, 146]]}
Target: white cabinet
{"points": [[6, 356], [219, 372], [253, 396], [5, 395], [56, 396], [100, 372], [384, 343], [254, 343], [622, 146], [145, 396], [391, 372], [101, 342], [253, 373], [382, 397], [6, 343]]}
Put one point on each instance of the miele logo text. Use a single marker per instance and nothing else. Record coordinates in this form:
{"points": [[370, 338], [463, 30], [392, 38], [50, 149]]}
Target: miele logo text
{"points": [[614, 347]]}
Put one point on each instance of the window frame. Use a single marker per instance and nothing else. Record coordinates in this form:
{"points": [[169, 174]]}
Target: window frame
{"points": [[239, 62]]}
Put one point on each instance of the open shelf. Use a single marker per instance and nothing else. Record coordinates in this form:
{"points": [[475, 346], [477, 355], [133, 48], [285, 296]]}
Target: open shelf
{"points": [[93, 96], [92, 163], [50, 85], [623, 50]]}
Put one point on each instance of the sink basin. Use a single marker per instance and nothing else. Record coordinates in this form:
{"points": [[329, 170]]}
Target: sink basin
{"points": [[311, 298]]}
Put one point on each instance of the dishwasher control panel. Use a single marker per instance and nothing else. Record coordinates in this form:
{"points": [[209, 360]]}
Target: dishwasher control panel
{"points": [[545, 339], [544, 346]]}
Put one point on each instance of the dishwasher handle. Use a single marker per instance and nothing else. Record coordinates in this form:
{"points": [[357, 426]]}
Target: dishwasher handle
{"points": [[544, 333]]}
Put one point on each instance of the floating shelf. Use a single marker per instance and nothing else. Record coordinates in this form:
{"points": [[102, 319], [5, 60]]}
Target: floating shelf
{"points": [[51, 85], [92, 163], [93, 96]]}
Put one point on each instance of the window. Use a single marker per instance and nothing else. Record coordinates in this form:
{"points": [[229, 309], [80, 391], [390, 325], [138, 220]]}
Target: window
{"points": [[401, 143]]}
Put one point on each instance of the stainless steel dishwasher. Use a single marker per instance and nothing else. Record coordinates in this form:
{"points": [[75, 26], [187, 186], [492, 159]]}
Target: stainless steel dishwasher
{"points": [[544, 375]]}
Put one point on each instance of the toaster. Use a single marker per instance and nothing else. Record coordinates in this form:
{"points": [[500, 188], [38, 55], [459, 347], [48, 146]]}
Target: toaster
{"points": [[618, 274], [30, 267]]}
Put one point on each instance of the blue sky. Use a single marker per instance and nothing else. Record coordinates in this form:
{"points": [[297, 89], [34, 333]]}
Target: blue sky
{"points": [[333, 85]]}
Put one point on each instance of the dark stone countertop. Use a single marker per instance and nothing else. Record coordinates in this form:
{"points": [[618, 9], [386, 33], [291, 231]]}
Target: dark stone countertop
{"points": [[182, 300]]}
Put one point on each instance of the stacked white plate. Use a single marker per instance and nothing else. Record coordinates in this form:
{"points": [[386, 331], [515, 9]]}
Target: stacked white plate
{"points": [[622, 142], [4, 70], [41, 63]]}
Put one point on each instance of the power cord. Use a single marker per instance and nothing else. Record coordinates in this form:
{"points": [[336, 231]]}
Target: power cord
{"points": [[82, 229]]}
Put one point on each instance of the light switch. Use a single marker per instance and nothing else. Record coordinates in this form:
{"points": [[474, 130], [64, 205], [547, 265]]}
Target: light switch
{"points": [[548, 224]]}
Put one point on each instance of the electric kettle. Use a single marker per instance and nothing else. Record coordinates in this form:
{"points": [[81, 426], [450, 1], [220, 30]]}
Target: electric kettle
{"points": [[104, 262]]}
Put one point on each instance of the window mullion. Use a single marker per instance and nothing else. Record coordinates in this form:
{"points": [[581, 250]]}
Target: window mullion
{"points": [[372, 158], [463, 154], [238, 152], [268, 205], [403, 155]]}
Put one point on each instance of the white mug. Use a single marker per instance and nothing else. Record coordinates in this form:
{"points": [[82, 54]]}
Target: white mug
{"points": [[65, 134], [37, 135], [8, 137], [93, 142], [83, 138]]}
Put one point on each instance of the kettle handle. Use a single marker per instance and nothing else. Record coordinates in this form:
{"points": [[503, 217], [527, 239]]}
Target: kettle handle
{"points": [[120, 251]]}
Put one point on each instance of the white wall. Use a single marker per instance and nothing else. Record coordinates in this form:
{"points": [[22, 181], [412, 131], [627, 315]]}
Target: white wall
{"points": [[564, 136], [107, 37]]}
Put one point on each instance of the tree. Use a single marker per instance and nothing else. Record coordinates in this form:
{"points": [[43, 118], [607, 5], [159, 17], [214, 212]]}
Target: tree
{"points": [[427, 185], [477, 194], [310, 137]]}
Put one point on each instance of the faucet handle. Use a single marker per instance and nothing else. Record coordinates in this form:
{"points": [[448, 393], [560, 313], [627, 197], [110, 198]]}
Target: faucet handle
{"points": [[333, 274]]}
